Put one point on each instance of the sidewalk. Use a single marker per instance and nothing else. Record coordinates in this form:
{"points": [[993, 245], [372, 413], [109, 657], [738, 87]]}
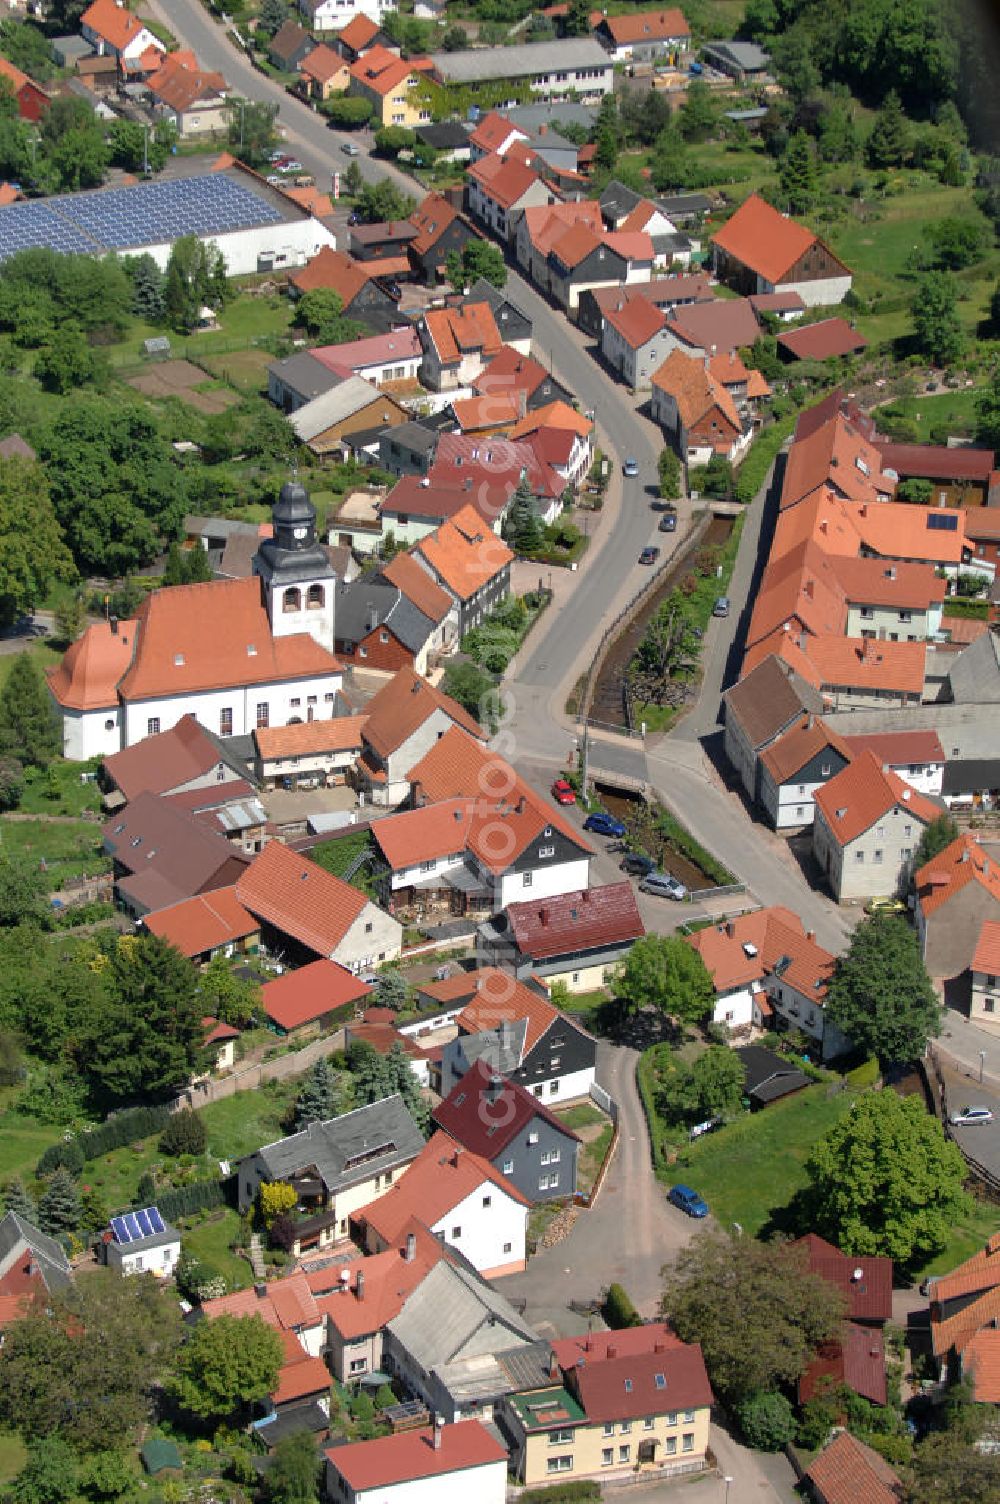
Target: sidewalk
{"points": [[965, 1043]]}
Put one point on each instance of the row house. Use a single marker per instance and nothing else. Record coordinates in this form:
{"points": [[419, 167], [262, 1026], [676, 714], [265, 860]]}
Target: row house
{"points": [[665, 293], [497, 190], [515, 373], [441, 229], [635, 340], [380, 628], [391, 85], [957, 900], [539, 227], [645, 36], [457, 343], [560, 437], [404, 721], [581, 260], [697, 413], [867, 825], [470, 563], [579, 938]]}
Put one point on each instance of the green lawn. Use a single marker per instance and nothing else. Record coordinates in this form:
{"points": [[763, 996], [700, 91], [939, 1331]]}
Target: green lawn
{"points": [[244, 320], [967, 1237], [751, 1169], [210, 1241], [43, 654], [592, 1157], [22, 1141], [240, 1123], [13, 1454], [70, 849], [582, 1115], [60, 790], [955, 410]]}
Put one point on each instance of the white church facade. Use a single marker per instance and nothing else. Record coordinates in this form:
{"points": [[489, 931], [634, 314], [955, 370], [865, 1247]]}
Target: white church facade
{"points": [[237, 654]]}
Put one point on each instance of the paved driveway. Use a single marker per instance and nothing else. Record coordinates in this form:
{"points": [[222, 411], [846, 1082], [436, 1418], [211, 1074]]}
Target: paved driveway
{"points": [[627, 1236]]}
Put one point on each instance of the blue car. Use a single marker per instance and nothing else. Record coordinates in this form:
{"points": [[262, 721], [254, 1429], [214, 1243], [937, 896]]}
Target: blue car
{"points": [[604, 824], [688, 1200]]}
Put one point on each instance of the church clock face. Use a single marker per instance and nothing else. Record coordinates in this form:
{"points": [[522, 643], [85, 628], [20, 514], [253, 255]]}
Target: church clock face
{"points": [[300, 532]]}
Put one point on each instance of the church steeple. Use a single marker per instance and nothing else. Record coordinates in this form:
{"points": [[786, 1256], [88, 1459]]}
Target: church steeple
{"points": [[298, 577]]}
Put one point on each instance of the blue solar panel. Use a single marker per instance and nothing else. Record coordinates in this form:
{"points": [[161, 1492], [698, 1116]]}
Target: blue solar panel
{"points": [[120, 1230], [141, 214], [155, 1218], [144, 1224], [131, 1223]]}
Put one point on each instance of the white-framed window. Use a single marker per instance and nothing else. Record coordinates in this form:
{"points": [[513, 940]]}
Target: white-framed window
{"points": [[648, 1423], [543, 1182], [671, 1446], [609, 1428], [607, 1456], [527, 879], [508, 1167], [626, 1428], [624, 1453], [687, 1441], [544, 851], [560, 1438], [359, 1365], [153, 726], [563, 1464], [689, 1417], [532, 1138]]}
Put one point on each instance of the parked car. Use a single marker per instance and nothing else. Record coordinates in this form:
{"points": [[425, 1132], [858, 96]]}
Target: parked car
{"points": [[562, 792], [274, 180], [351, 149], [630, 467], [668, 522], [885, 906], [394, 290], [637, 864], [604, 824], [721, 607], [688, 1200], [354, 218], [663, 885], [290, 165], [276, 156], [649, 555], [700, 1129], [970, 1117]]}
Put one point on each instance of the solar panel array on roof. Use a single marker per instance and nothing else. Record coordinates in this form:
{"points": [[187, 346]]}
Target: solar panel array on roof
{"points": [[140, 214], [942, 522], [133, 1226]]}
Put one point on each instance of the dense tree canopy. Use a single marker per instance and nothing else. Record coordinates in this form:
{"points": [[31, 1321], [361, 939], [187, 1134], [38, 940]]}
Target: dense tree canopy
{"points": [[664, 972], [29, 730], [937, 329], [880, 995], [885, 1180], [32, 550], [226, 1365], [756, 1309]]}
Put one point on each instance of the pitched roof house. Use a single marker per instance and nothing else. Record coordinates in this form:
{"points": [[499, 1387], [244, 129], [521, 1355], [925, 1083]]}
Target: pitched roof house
{"points": [[335, 1166], [470, 563], [635, 339], [793, 767], [497, 189], [759, 250], [207, 925], [309, 912], [764, 964], [847, 1471], [768, 700], [32, 1265], [32, 99], [185, 758], [827, 339], [441, 229], [312, 999], [965, 1302], [697, 412], [521, 375], [289, 45], [958, 891], [461, 1199], [644, 35], [162, 855], [356, 283], [381, 628], [577, 938], [405, 720], [509, 1126], [464, 1460], [857, 1357], [193, 100], [867, 826], [111, 28], [457, 343]]}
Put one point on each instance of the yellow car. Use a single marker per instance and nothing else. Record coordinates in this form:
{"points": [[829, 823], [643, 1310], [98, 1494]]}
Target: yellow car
{"points": [[885, 906]]}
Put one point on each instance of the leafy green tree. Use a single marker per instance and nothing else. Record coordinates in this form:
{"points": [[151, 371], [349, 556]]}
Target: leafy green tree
{"points": [[59, 1208], [294, 1474], [28, 726], [948, 1469], [225, 1366], [224, 995], [718, 1078], [347, 111], [577, 20], [28, 48], [885, 1180], [78, 157], [378, 1076], [353, 180], [16, 1199], [33, 552], [186, 566], [49, 1476], [889, 139], [696, 118], [937, 330], [664, 972], [757, 1310], [147, 288], [23, 889], [70, 361], [107, 1475], [916, 492], [147, 1037], [70, 617], [272, 17], [474, 690], [139, 149], [988, 402], [838, 136], [382, 201], [195, 278], [669, 468], [392, 989], [880, 995], [767, 1420], [390, 140], [94, 1210], [934, 838], [478, 259], [455, 39], [958, 240], [798, 173], [184, 1134], [321, 314], [11, 782], [252, 129], [320, 1096]]}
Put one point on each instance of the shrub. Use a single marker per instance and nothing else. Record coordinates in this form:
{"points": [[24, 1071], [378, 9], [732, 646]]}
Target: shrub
{"points": [[281, 1233], [618, 1310], [66, 1155], [766, 1420], [201, 1196], [184, 1134], [126, 1127]]}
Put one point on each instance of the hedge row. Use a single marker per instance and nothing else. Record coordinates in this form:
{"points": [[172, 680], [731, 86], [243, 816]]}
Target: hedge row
{"points": [[201, 1196], [124, 1128]]}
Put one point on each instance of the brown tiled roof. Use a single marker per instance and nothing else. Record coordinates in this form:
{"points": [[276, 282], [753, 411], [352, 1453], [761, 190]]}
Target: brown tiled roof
{"points": [[169, 854], [328, 268], [545, 223], [404, 704], [439, 1179], [776, 935], [724, 323], [302, 996], [381, 71], [576, 244], [500, 999], [836, 454], [485, 1117], [946, 874], [165, 761], [358, 33], [322, 64], [556, 415], [179, 85], [799, 745], [300, 898], [862, 793], [493, 410], [340, 734], [465, 553], [848, 1472], [898, 747], [453, 331], [864, 663], [636, 320], [768, 699], [503, 180], [647, 26], [430, 219], [868, 1298], [981, 1362], [823, 340], [374, 1466], [939, 462], [986, 956], [856, 1358], [570, 922], [695, 391], [764, 240], [202, 923], [625, 1388], [492, 131]]}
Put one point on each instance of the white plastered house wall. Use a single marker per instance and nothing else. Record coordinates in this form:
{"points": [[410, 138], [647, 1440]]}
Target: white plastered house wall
{"points": [[489, 1227], [287, 700]]}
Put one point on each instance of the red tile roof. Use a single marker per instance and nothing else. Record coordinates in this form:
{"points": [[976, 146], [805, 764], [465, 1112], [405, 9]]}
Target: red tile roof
{"points": [[492, 131], [334, 269], [179, 83], [697, 394], [465, 553], [868, 1298], [894, 530], [301, 997], [118, 26], [856, 1358], [646, 26], [403, 705], [443, 492], [416, 584], [761, 238], [546, 223], [203, 923], [899, 747], [636, 320], [88, 674], [439, 1179], [412, 1455], [823, 340], [775, 935], [491, 460], [571, 922], [981, 1362], [593, 1347], [848, 1472], [341, 734], [358, 33], [388, 1279], [864, 663], [874, 582], [723, 323], [322, 64], [509, 371], [631, 245], [456, 331], [555, 415], [946, 874], [576, 244], [495, 410], [284, 1305], [862, 793], [836, 454], [381, 71], [431, 218], [216, 636], [986, 957], [502, 180], [300, 898], [938, 462], [500, 999], [378, 349], [484, 1113], [617, 1377]]}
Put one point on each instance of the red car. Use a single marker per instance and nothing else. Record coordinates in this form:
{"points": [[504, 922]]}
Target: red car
{"points": [[562, 793]]}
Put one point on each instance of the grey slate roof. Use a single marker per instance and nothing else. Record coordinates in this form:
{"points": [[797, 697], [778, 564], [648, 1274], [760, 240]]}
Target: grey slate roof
{"points": [[746, 55], [503, 1047], [333, 406], [617, 200], [303, 374], [449, 135], [768, 699], [18, 1235], [975, 675], [528, 1367], [364, 604], [333, 1147], [680, 206], [416, 436], [971, 775], [453, 1315], [556, 113], [478, 64], [484, 292]]}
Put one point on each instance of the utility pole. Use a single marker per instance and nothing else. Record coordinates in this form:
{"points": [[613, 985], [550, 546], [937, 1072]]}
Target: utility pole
{"points": [[584, 759]]}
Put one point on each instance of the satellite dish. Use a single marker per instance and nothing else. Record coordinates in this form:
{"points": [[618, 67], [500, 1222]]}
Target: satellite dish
{"points": [[858, 1274], [345, 1276]]}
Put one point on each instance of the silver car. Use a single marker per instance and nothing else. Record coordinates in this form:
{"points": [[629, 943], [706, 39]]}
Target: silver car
{"points": [[663, 886], [970, 1116]]}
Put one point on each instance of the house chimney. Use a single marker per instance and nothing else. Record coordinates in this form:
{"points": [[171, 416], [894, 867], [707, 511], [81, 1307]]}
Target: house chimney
{"points": [[411, 1247], [730, 929], [612, 1350], [438, 1428], [360, 1284], [113, 624], [659, 1346], [519, 807], [810, 934], [457, 1155], [808, 589], [260, 1290]]}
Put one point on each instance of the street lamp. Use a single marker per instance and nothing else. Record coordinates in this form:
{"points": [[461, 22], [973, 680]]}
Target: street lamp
{"points": [[727, 1481], [982, 1063]]}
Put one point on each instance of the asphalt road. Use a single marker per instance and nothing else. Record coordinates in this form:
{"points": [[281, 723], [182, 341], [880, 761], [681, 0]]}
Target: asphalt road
{"points": [[317, 146]]}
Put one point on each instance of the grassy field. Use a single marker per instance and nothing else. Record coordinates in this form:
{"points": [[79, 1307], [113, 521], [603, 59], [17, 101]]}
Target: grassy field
{"points": [[955, 411], [60, 790], [967, 1237], [582, 1115], [69, 849], [21, 1143], [244, 320], [13, 1454], [209, 1241], [44, 655]]}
